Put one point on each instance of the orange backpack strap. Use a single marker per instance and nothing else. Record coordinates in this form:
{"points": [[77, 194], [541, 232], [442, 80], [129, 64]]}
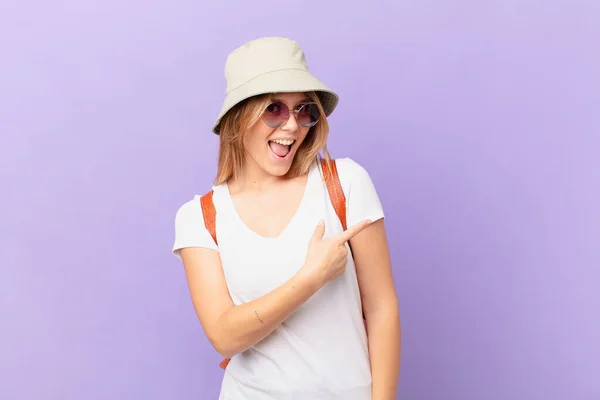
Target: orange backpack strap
{"points": [[210, 214], [336, 194], [334, 187]]}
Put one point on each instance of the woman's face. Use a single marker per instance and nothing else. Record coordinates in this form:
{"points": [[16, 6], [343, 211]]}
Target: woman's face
{"points": [[273, 149]]}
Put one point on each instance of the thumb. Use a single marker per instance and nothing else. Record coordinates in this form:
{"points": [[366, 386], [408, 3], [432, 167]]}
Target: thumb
{"points": [[319, 231]]}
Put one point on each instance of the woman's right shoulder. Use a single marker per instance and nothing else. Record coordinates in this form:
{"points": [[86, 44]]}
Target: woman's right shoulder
{"points": [[190, 208], [190, 228], [193, 208]]}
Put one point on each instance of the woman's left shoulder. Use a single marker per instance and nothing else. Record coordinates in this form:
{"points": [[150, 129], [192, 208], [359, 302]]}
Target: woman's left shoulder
{"points": [[349, 169], [352, 174], [361, 196]]}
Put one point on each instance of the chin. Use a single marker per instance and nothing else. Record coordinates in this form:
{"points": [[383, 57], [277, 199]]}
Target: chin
{"points": [[277, 170]]}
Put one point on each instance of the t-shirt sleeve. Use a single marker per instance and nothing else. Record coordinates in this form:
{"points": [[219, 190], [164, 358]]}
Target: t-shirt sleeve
{"points": [[362, 201], [190, 230]]}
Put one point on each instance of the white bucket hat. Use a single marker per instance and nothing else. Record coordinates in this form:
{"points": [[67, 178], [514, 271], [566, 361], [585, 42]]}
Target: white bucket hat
{"points": [[270, 65]]}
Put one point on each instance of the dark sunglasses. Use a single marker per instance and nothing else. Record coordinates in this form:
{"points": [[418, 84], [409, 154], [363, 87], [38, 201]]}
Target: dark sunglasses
{"points": [[277, 113]]}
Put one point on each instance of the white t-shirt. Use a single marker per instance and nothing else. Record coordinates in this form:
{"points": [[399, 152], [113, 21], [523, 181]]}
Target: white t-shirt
{"points": [[320, 351]]}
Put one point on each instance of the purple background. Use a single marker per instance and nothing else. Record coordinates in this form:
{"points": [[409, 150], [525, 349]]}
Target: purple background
{"points": [[478, 120]]}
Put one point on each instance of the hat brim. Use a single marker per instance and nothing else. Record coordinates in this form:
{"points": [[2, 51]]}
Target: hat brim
{"points": [[282, 81]]}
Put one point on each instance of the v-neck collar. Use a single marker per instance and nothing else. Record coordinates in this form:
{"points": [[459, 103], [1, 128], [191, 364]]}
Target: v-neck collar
{"points": [[297, 215]]}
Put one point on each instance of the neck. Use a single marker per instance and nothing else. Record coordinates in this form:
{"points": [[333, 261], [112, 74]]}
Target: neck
{"points": [[253, 177]]}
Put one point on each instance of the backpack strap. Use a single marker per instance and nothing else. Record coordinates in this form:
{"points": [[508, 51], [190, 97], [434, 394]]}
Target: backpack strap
{"points": [[338, 199], [334, 187], [210, 215]]}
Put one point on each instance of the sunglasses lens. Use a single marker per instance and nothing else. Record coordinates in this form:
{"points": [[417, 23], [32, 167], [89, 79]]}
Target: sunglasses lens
{"points": [[308, 115], [276, 114]]}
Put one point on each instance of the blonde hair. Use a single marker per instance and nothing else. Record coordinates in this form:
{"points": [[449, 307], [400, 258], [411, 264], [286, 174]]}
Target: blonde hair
{"points": [[238, 121]]}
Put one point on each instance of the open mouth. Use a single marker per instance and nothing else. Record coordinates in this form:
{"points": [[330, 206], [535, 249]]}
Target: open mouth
{"points": [[281, 148]]}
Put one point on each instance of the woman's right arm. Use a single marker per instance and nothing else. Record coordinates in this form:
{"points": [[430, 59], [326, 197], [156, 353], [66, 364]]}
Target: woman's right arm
{"points": [[232, 329]]}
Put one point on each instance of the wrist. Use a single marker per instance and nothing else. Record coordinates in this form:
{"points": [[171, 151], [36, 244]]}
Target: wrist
{"points": [[308, 278]]}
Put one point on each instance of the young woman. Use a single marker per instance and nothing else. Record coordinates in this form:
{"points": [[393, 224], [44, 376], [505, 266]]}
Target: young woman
{"points": [[278, 285]]}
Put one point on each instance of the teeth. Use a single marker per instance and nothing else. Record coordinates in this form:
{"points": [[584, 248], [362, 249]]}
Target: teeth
{"points": [[283, 142]]}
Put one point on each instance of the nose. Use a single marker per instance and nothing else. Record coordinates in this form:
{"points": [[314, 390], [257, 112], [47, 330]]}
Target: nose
{"points": [[291, 124]]}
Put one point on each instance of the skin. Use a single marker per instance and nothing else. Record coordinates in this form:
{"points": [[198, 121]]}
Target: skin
{"points": [[263, 190]]}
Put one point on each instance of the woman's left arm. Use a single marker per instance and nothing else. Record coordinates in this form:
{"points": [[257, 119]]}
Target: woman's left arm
{"points": [[380, 306]]}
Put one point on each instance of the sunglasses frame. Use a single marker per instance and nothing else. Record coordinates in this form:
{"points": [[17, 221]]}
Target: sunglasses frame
{"points": [[290, 112]]}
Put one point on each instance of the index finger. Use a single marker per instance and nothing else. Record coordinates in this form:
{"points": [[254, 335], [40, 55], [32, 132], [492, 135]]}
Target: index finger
{"points": [[353, 231]]}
